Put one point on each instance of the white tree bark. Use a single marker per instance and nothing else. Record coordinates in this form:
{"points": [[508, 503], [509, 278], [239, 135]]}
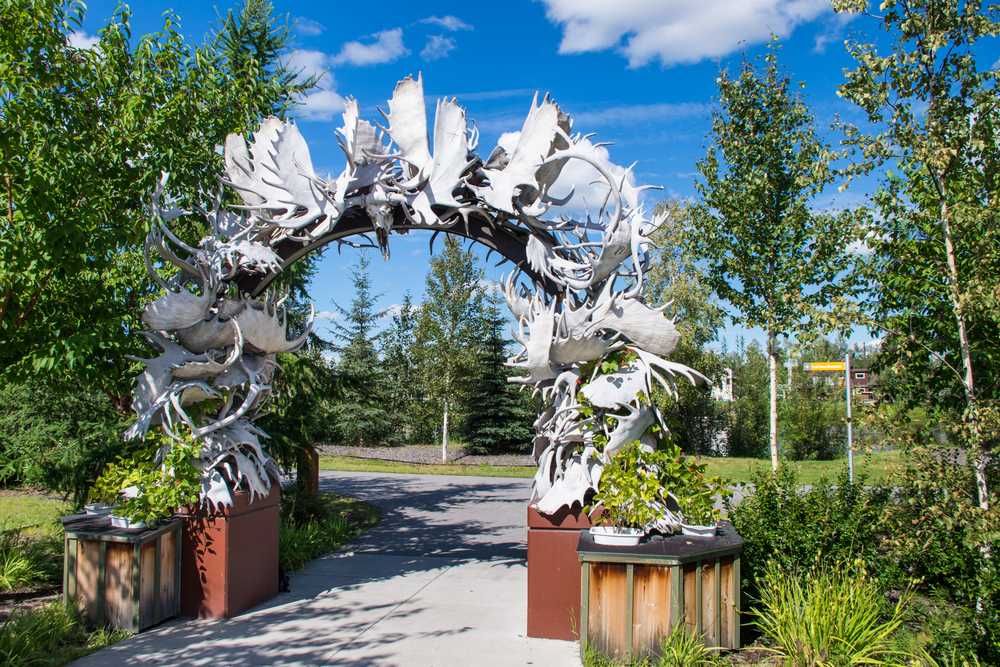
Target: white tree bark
{"points": [[772, 359], [444, 435]]}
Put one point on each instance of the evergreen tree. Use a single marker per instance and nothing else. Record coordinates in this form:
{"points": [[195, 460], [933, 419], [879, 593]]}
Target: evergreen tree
{"points": [[402, 389], [448, 330], [497, 420], [361, 417]]}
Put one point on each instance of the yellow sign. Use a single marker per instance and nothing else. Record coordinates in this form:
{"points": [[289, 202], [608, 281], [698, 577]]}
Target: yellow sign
{"points": [[827, 366]]}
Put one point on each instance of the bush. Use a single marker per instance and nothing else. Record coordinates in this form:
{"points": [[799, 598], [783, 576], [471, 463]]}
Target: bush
{"points": [[26, 561], [60, 441], [313, 524], [811, 426], [799, 530], [832, 616], [50, 635]]}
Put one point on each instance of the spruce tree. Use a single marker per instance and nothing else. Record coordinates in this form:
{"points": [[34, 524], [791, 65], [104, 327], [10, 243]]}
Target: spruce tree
{"points": [[361, 417], [497, 420]]}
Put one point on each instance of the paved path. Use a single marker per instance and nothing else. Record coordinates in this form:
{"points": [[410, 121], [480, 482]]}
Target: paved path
{"points": [[440, 581]]}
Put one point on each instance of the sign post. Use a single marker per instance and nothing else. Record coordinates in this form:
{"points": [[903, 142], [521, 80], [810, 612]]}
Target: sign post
{"points": [[850, 435]]}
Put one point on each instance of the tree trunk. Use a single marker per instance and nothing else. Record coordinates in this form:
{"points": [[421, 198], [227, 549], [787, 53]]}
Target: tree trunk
{"points": [[772, 359], [444, 435], [971, 413]]}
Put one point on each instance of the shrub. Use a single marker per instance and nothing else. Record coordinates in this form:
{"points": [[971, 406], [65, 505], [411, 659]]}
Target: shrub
{"points": [[50, 635], [834, 616], [799, 529], [25, 561]]}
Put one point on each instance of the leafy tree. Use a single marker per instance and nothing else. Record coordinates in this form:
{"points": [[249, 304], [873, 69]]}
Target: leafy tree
{"points": [[748, 413], [935, 271], [496, 420], [362, 416], [768, 254], [448, 329], [84, 137], [675, 277]]}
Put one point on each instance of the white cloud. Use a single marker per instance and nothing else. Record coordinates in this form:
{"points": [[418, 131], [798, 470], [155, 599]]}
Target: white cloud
{"points": [[675, 31], [447, 22], [322, 105], [81, 40], [331, 315], [305, 26], [588, 186], [388, 46], [490, 286], [309, 62], [438, 46], [638, 113]]}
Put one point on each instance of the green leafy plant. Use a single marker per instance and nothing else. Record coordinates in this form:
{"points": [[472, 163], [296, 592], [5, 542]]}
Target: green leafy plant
{"points": [[629, 489], [50, 636], [158, 488], [829, 616], [695, 491], [682, 649], [24, 561]]}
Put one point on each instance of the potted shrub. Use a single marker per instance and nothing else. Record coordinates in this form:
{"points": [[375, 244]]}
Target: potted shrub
{"points": [[695, 492], [148, 491], [631, 495]]}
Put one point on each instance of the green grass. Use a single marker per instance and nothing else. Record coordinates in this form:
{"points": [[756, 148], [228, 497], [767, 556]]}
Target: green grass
{"points": [[351, 464], [736, 469], [34, 515]]}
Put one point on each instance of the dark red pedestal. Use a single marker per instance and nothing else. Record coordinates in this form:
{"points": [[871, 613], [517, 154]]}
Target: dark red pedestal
{"points": [[229, 556], [554, 573]]}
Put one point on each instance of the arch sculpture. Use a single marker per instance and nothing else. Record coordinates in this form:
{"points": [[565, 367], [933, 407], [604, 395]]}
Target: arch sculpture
{"points": [[219, 325]]}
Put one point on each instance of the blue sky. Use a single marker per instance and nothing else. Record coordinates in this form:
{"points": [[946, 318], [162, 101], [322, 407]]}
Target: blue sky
{"points": [[637, 73]]}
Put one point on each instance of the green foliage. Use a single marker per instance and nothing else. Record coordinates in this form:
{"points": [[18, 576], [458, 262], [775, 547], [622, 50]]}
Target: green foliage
{"points": [[84, 137], [799, 529], [496, 420], [811, 425], [403, 392], [629, 488], [159, 488], [747, 415], [27, 561], [360, 416], [314, 523], [768, 254], [682, 649], [49, 636], [636, 482], [830, 616], [675, 277], [449, 330], [58, 440]]}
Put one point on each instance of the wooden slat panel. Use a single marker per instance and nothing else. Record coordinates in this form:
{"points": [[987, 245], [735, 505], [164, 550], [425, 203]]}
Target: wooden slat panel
{"points": [[690, 599], [88, 556], [727, 634], [146, 584], [708, 601], [606, 615], [118, 585], [650, 607]]}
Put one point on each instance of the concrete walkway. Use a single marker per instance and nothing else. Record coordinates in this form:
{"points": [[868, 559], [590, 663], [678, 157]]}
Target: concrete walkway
{"points": [[440, 581]]}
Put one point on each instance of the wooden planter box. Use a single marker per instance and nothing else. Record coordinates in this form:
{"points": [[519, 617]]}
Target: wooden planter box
{"points": [[633, 596], [554, 573], [126, 578], [229, 556]]}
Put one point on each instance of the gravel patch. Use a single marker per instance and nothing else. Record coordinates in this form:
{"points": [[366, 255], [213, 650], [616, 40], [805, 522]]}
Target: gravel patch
{"points": [[428, 454]]}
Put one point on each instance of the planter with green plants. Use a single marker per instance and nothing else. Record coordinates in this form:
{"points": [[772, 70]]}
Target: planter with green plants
{"points": [[642, 490], [143, 491]]}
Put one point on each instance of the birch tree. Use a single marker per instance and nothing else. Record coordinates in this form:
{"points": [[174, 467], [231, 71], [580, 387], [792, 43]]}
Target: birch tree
{"points": [[448, 329], [768, 253], [936, 240]]}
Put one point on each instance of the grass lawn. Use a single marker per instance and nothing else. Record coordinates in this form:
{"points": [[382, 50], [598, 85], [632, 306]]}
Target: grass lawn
{"points": [[738, 470], [36, 515]]}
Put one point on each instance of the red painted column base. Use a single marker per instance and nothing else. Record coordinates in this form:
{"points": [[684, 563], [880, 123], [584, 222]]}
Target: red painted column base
{"points": [[554, 573], [229, 556]]}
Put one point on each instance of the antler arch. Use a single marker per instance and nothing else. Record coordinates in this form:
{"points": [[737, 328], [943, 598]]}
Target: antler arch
{"points": [[219, 347]]}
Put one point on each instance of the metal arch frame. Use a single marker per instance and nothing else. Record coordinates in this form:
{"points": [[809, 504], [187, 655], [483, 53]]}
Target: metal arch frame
{"points": [[507, 241]]}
